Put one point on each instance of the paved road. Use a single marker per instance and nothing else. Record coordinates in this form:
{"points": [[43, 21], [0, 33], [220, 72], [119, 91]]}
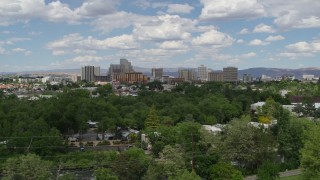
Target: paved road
{"points": [[282, 174]]}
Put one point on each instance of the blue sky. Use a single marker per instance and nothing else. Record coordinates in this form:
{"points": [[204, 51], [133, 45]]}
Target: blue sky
{"points": [[47, 34]]}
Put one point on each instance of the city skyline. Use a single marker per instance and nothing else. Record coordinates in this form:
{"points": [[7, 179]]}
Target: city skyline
{"points": [[66, 34]]}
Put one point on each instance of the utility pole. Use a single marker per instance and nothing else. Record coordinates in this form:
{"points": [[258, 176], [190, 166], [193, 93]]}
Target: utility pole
{"points": [[29, 145]]}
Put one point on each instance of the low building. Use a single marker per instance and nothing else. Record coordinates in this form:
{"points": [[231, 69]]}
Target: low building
{"points": [[131, 77], [215, 76]]}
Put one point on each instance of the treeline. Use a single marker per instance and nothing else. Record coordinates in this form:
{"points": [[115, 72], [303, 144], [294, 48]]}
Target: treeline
{"points": [[177, 137]]}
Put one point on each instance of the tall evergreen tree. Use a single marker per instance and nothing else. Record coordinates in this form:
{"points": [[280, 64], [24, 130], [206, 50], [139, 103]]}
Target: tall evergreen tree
{"points": [[152, 120]]}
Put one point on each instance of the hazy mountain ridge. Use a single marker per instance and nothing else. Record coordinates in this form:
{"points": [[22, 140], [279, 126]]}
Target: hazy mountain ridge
{"points": [[277, 72]]}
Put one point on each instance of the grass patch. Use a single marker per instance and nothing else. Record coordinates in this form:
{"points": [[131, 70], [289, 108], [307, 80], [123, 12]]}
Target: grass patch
{"points": [[297, 177]]}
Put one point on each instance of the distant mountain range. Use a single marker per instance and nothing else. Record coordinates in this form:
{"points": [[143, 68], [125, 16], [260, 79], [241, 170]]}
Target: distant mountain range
{"points": [[276, 72], [255, 72]]}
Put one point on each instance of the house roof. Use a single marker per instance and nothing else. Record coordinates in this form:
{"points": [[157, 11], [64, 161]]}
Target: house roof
{"points": [[300, 99]]}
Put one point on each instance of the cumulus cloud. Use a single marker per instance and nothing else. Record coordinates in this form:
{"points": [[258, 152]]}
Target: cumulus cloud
{"points": [[258, 42], [240, 41], [75, 43], [97, 7], [12, 11], [231, 9], [274, 38], [21, 50], [262, 28], [213, 38], [301, 48], [294, 14], [248, 55], [179, 8], [173, 45], [244, 31], [2, 50], [286, 13], [164, 28], [119, 20]]}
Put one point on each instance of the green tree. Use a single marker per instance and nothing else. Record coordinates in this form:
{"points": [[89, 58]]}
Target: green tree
{"points": [[245, 144], [310, 153], [152, 121], [268, 171], [224, 171], [104, 174], [131, 164], [186, 175], [27, 167], [171, 163]]}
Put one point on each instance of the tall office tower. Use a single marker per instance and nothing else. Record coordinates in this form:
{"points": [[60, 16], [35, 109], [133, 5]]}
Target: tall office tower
{"points": [[120, 69], [157, 73], [230, 74], [97, 70], [126, 66], [202, 73], [215, 76], [187, 74], [247, 78], [87, 73]]}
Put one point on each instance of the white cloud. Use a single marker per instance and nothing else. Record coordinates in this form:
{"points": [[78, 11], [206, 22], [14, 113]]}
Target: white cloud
{"points": [[75, 43], [119, 20], [179, 8], [213, 38], [301, 48], [258, 42], [2, 50], [120, 42], [244, 31], [231, 9], [13, 11], [21, 50], [97, 7], [274, 38], [232, 59], [248, 55], [240, 41], [60, 12], [173, 45], [294, 14], [164, 28], [262, 28], [144, 4]]}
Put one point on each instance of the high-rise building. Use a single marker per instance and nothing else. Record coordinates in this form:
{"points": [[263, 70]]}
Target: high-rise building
{"points": [[230, 74], [120, 69], [215, 76], [247, 78], [97, 70], [202, 73], [126, 66], [157, 73], [87, 73], [188, 74]]}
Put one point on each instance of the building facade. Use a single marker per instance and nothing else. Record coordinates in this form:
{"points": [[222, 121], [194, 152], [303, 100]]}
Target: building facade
{"points": [[120, 69], [157, 73], [87, 73], [202, 73], [247, 78], [188, 74], [230, 74], [131, 77], [215, 76]]}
